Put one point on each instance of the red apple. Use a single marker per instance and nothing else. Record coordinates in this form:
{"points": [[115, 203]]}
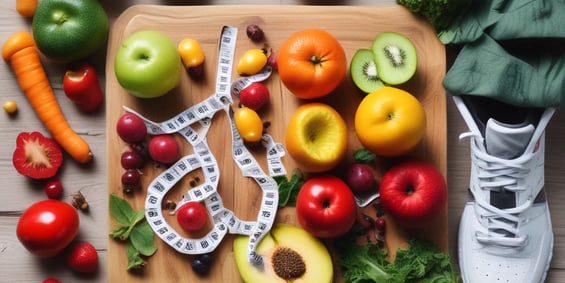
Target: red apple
{"points": [[413, 192], [325, 206]]}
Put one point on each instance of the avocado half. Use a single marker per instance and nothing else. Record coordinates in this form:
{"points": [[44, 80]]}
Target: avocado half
{"points": [[290, 254]]}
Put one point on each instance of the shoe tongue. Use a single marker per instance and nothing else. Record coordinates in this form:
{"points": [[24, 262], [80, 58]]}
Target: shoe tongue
{"points": [[505, 140]]}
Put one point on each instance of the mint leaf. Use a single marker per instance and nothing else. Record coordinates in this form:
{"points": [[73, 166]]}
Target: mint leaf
{"points": [[288, 189], [142, 239], [363, 155], [135, 261], [137, 217], [121, 210], [136, 232]]}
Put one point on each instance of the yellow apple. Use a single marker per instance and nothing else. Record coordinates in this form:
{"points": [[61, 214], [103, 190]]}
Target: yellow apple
{"points": [[316, 137], [390, 121]]}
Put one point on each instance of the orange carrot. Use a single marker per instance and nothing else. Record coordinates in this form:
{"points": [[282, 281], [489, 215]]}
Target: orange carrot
{"points": [[20, 51], [26, 8]]}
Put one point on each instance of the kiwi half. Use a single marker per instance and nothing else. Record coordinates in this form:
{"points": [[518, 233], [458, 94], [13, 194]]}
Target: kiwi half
{"points": [[395, 57], [363, 71]]}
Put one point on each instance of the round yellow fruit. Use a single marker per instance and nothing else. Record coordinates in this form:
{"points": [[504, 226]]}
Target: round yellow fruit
{"points": [[191, 53], [248, 124], [316, 137], [390, 121]]}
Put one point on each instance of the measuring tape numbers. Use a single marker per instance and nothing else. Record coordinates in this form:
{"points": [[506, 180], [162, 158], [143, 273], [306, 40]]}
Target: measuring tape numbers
{"points": [[202, 113]]}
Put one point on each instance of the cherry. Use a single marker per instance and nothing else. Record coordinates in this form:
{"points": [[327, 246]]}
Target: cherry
{"points": [[164, 149], [54, 189], [131, 180], [131, 128], [131, 160]]}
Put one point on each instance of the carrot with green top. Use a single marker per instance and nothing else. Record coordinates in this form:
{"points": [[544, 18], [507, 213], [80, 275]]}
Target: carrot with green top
{"points": [[20, 51]]}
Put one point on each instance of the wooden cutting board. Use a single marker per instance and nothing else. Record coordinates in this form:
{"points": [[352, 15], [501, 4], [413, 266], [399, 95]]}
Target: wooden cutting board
{"points": [[354, 27]]}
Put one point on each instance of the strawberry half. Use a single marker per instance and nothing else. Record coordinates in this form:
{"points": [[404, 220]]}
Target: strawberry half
{"points": [[36, 156]]}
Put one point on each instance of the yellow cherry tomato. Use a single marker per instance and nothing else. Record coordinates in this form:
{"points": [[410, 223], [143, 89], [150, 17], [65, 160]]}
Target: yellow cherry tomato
{"points": [[10, 106], [248, 124], [252, 62], [191, 53]]}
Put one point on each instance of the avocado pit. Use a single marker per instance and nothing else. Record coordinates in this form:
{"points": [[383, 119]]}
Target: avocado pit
{"points": [[288, 264]]}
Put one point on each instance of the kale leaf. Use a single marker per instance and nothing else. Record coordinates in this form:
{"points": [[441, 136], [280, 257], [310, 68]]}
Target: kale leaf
{"points": [[421, 263]]}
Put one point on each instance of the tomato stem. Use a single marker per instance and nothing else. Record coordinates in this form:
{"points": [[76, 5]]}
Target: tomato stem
{"points": [[316, 60]]}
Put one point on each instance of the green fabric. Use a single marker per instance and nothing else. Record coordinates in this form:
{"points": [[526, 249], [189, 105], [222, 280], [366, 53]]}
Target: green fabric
{"points": [[513, 51]]}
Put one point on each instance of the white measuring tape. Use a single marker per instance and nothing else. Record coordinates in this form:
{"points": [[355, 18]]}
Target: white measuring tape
{"points": [[225, 221]]}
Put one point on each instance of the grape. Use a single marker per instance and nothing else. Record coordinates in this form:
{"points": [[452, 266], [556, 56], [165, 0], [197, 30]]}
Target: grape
{"points": [[131, 160], [131, 180], [131, 128], [201, 264], [360, 178]]}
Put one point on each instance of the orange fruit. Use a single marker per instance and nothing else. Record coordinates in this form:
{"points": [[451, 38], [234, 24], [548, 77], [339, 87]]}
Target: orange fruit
{"points": [[311, 63], [390, 121]]}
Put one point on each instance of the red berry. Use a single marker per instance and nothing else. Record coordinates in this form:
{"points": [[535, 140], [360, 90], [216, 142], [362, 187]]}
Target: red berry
{"points": [[380, 224], [83, 257], [131, 128], [131, 160], [164, 149], [192, 216], [54, 189], [51, 280], [131, 180]]}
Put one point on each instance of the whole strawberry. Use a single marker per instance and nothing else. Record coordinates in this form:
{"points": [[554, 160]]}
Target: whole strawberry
{"points": [[51, 280], [83, 257]]}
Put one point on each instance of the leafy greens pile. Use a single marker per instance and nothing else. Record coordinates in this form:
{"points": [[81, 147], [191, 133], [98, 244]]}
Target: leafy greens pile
{"points": [[440, 13], [420, 263]]}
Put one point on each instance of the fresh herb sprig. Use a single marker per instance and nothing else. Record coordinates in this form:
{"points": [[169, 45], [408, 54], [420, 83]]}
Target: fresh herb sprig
{"points": [[134, 230], [288, 189]]}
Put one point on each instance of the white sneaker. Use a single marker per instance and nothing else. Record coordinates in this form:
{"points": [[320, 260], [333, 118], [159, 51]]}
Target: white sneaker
{"points": [[505, 233]]}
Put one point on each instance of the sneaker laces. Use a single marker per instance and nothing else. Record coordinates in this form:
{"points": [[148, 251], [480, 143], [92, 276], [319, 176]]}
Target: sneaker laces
{"points": [[495, 174]]}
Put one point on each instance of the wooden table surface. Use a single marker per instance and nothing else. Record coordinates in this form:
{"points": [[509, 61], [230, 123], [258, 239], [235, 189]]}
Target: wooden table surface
{"points": [[18, 192]]}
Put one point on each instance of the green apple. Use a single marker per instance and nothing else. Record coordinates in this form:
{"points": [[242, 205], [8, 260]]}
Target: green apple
{"points": [[69, 30], [147, 64]]}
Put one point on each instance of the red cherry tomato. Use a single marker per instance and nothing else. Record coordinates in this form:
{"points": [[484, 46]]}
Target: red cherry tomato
{"points": [[325, 206], [164, 148], [254, 96], [192, 216], [47, 227]]}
